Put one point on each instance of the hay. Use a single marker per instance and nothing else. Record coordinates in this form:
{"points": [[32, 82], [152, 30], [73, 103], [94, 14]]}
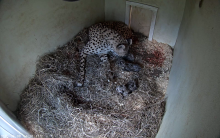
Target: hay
{"points": [[51, 105]]}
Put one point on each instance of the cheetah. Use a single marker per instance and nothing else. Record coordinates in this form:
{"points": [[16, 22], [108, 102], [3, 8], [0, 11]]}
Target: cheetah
{"points": [[119, 27], [102, 39]]}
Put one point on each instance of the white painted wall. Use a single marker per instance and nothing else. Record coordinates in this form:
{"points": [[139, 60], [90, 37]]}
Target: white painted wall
{"points": [[193, 106], [168, 20], [30, 28]]}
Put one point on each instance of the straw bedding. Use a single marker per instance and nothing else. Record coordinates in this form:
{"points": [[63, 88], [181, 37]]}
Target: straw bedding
{"points": [[52, 106]]}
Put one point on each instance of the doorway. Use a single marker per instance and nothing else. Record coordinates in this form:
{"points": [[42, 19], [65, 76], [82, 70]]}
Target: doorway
{"points": [[141, 18]]}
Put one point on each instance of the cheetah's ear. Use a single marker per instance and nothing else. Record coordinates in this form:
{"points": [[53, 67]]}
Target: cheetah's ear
{"points": [[121, 47]]}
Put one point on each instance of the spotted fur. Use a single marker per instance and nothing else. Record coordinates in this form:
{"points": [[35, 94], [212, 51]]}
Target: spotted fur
{"points": [[82, 36], [102, 39], [118, 26]]}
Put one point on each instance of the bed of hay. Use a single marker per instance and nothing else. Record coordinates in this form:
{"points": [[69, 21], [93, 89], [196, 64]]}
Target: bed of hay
{"points": [[52, 106]]}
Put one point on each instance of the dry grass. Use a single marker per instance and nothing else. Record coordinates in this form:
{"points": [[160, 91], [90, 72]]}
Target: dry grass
{"points": [[51, 105]]}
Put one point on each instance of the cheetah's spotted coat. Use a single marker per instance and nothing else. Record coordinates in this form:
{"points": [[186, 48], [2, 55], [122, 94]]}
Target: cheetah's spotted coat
{"points": [[103, 38]]}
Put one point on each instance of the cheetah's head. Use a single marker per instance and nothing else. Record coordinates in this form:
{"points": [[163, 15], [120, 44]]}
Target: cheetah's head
{"points": [[122, 49]]}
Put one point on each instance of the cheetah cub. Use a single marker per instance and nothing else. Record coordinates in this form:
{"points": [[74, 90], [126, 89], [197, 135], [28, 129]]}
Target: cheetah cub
{"points": [[101, 41]]}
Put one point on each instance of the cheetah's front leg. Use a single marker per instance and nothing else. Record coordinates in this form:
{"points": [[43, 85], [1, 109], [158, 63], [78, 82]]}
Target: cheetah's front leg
{"points": [[82, 69]]}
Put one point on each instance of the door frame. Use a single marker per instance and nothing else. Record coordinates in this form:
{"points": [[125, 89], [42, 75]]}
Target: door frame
{"points": [[10, 127], [144, 6]]}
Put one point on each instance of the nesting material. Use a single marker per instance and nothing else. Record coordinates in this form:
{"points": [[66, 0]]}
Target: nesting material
{"points": [[52, 106]]}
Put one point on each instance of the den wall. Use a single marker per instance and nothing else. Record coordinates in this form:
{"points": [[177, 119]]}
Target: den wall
{"points": [[31, 28], [168, 19], [194, 88]]}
